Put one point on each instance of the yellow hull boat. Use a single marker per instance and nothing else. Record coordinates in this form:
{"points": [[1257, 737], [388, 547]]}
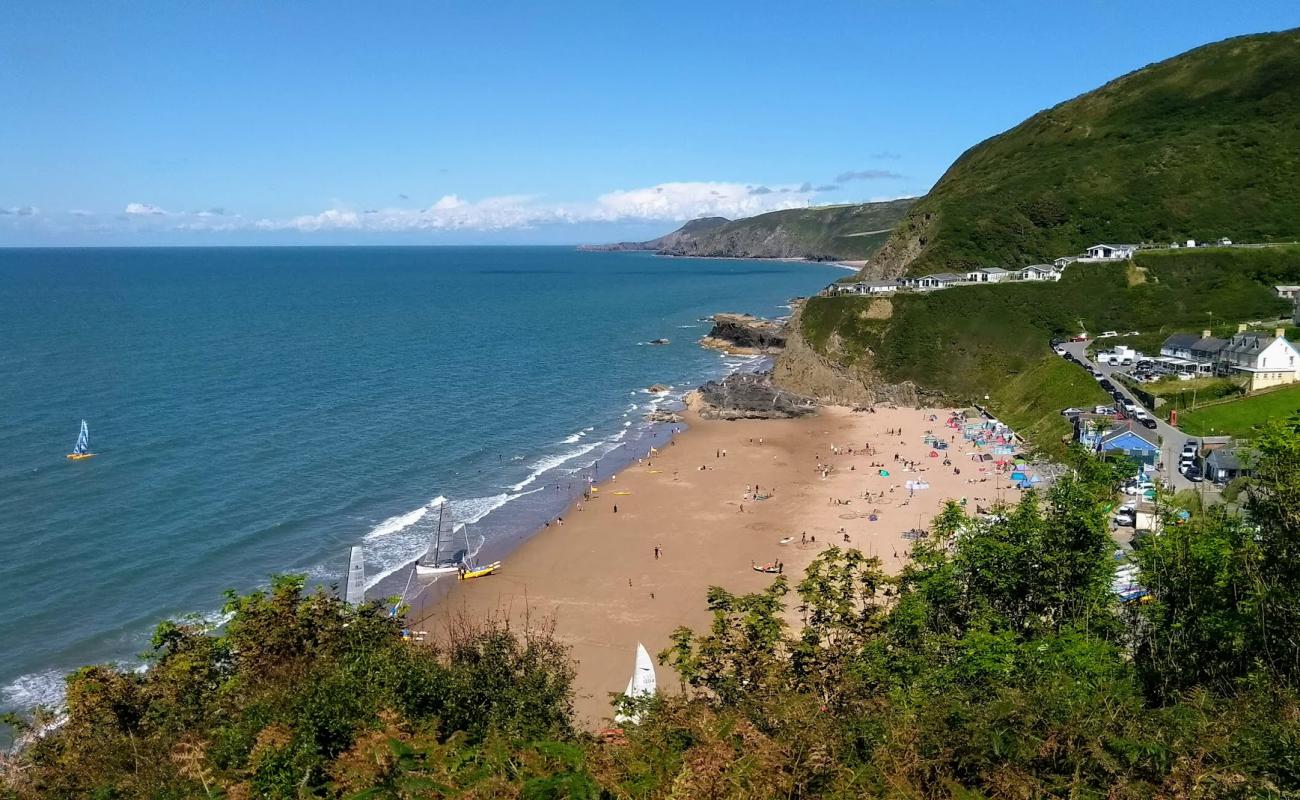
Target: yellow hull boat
{"points": [[80, 456], [480, 572]]}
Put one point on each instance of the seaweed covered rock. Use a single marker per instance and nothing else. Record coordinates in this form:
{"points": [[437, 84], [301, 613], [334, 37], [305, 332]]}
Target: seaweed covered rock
{"points": [[748, 395]]}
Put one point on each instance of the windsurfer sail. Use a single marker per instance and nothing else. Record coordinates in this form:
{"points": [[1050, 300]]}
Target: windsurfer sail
{"points": [[81, 450]]}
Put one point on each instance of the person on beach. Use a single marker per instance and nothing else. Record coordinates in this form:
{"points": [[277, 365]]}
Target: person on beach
{"points": [[657, 551], [616, 508]]}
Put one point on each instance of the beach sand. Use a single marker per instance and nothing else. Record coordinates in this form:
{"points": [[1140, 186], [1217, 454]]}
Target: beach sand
{"points": [[598, 578]]}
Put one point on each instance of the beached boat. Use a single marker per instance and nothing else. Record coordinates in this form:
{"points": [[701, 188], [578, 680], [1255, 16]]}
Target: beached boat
{"points": [[642, 684], [434, 562], [81, 450], [356, 591], [479, 572]]}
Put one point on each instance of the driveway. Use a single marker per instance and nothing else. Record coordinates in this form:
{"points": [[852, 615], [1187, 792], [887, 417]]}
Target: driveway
{"points": [[1171, 438]]}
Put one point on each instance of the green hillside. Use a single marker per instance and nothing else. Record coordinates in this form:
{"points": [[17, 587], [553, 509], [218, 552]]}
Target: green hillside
{"points": [[846, 232], [969, 341], [829, 233], [1203, 145]]}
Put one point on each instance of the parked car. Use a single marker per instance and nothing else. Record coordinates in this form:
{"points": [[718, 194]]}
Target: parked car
{"points": [[1148, 422], [1083, 337], [1107, 335], [1108, 385], [1125, 520], [1133, 333], [1071, 412]]}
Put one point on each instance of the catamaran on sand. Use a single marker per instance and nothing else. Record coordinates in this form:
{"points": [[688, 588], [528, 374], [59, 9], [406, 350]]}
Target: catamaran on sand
{"points": [[435, 562]]}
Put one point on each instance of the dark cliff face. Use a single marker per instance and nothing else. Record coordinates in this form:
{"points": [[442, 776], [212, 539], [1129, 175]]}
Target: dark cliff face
{"points": [[743, 331]]}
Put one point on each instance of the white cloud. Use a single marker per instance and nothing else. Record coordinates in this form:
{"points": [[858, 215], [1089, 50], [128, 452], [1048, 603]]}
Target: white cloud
{"points": [[143, 210], [665, 202]]}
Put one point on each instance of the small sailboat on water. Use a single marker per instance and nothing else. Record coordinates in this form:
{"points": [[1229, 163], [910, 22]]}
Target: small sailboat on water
{"points": [[642, 684], [434, 562], [81, 450]]}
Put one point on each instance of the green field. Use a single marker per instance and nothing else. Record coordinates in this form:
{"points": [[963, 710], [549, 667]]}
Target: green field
{"points": [[1242, 418]]}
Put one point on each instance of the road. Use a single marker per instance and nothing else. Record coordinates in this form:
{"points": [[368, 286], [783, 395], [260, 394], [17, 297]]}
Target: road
{"points": [[1172, 439]]}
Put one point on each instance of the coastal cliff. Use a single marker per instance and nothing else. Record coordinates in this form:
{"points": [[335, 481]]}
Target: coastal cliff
{"points": [[804, 371], [821, 233]]}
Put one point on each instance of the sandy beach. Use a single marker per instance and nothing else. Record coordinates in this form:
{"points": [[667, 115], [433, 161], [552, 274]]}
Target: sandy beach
{"points": [[634, 562]]}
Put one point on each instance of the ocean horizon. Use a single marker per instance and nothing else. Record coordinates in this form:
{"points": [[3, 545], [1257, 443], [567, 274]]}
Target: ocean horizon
{"points": [[260, 410]]}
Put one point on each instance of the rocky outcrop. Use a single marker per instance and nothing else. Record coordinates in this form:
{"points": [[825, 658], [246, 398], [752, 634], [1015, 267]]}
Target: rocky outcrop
{"points": [[748, 395], [802, 370], [745, 334]]}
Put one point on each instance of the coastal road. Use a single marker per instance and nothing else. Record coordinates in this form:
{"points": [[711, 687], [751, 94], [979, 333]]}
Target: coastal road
{"points": [[1171, 438]]}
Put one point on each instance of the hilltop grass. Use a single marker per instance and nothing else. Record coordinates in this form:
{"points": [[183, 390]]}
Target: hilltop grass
{"points": [[1204, 145], [1245, 417]]}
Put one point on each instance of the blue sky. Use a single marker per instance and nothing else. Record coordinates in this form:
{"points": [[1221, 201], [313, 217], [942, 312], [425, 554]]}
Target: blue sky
{"points": [[524, 122]]}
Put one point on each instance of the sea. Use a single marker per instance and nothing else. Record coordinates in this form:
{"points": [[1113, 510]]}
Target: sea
{"points": [[259, 411]]}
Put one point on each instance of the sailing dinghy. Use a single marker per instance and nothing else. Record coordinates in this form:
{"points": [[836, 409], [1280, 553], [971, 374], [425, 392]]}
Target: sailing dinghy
{"points": [[434, 562], [642, 684], [81, 450], [356, 591]]}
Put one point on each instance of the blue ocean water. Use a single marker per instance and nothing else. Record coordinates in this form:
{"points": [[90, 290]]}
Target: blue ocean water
{"points": [[260, 410]]}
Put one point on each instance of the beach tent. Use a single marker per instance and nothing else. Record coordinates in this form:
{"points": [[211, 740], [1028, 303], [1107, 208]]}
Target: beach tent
{"points": [[1018, 476], [884, 473]]}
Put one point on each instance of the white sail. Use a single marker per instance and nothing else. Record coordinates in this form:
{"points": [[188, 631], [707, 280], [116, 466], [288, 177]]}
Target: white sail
{"points": [[434, 561], [642, 684], [356, 591], [83, 440]]}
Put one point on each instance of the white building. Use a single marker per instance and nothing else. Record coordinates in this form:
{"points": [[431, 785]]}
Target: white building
{"points": [[1267, 361], [1287, 292], [940, 280], [989, 275], [1111, 252], [875, 288], [1039, 272]]}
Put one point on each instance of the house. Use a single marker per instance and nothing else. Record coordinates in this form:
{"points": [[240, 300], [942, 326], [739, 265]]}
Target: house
{"points": [[1206, 349], [1179, 345], [1287, 292], [1111, 252], [1191, 243], [1063, 262], [875, 288], [1039, 272], [1137, 443], [941, 280], [1266, 361], [1225, 242], [989, 275], [1225, 463]]}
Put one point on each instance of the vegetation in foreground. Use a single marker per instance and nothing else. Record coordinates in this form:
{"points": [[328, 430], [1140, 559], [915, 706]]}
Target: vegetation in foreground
{"points": [[997, 664], [1203, 145]]}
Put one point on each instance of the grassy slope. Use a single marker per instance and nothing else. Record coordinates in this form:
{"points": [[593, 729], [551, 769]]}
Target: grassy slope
{"points": [[1203, 145], [1242, 417], [832, 232], [974, 340]]}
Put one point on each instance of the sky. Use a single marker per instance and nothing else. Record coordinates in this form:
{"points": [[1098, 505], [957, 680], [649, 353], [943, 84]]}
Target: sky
{"points": [[439, 122]]}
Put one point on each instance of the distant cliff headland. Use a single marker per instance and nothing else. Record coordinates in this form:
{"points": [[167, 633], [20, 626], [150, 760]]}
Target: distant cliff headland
{"points": [[823, 233]]}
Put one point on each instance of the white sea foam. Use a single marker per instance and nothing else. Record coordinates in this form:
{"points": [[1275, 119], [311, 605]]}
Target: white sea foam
{"points": [[551, 462], [35, 689], [402, 521]]}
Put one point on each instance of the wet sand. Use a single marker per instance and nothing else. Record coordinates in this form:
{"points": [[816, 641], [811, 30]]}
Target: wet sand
{"points": [[597, 575]]}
